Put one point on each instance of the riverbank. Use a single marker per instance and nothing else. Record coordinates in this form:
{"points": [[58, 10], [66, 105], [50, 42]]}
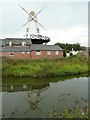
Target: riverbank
{"points": [[43, 68]]}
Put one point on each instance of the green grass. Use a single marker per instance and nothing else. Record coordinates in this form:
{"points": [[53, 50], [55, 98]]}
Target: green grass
{"points": [[78, 113], [45, 67], [79, 109]]}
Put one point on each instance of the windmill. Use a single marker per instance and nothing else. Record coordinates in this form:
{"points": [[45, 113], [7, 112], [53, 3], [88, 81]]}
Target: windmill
{"points": [[33, 100], [32, 23]]}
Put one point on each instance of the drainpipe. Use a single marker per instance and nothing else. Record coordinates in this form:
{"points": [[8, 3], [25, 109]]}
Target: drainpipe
{"points": [[29, 47], [30, 54], [30, 51]]}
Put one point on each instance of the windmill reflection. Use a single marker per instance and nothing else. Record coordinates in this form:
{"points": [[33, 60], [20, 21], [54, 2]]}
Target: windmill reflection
{"points": [[33, 95], [33, 99]]}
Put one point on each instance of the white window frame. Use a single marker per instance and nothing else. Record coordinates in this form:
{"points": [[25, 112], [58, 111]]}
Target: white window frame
{"points": [[38, 52], [48, 52], [28, 52], [10, 43], [11, 54], [23, 52], [56, 52], [23, 43]]}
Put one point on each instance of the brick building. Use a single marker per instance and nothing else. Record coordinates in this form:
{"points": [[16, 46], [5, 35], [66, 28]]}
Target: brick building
{"points": [[33, 46], [18, 48]]}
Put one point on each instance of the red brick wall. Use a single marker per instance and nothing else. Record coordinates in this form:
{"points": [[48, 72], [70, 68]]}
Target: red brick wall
{"points": [[19, 55], [44, 55], [4, 53]]}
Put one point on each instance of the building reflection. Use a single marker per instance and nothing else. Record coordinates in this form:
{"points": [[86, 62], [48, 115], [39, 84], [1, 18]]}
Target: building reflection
{"points": [[32, 97], [23, 87]]}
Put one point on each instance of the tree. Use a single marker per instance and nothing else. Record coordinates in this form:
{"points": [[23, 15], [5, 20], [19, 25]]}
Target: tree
{"points": [[64, 53], [68, 47], [71, 54]]}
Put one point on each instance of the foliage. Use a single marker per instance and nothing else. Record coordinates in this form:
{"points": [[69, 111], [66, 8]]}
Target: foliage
{"points": [[68, 114], [64, 53], [68, 47], [80, 110], [45, 67], [71, 54]]}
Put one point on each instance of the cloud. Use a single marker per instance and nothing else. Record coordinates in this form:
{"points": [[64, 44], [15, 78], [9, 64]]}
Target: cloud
{"points": [[65, 35], [69, 35], [68, 26], [45, 0]]}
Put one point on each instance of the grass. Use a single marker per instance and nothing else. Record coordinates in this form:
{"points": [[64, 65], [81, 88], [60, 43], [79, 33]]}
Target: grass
{"points": [[78, 110], [45, 67], [68, 113]]}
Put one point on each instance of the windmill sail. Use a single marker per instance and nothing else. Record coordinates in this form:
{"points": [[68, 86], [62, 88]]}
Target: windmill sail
{"points": [[32, 23]]}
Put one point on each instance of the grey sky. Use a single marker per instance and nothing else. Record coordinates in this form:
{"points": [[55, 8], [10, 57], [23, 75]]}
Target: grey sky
{"points": [[64, 21]]}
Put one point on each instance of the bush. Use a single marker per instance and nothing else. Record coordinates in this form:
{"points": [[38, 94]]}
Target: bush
{"points": [[45, 67], [71, 54], [64, 53]]}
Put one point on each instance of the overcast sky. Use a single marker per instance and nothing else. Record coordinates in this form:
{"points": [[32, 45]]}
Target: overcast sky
{"points": [[65, 22]]}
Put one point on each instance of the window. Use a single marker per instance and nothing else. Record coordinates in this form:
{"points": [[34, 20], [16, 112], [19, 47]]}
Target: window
{"points": [[10, 53], [49, 52], [38, 52], [10, 43], [23, 43], [57, 52], [26, 35], [28, 52], [11, 87], [27, 29], [37, 30], [23, 52]]}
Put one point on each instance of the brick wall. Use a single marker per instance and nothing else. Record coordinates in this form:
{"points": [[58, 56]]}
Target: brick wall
{"points": [[44, 55], [3, 53], [17, 55], [26, 55]]}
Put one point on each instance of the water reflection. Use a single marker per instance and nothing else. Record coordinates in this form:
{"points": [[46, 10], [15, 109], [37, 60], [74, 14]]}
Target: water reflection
{"points": [[24, 87], [11, 84], [34, 98]]}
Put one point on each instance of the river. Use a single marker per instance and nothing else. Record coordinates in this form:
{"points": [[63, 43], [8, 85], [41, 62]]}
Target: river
{"points": [[37, 97]]}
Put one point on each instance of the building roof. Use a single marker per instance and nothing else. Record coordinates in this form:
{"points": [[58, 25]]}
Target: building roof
{"points": [[30, 48], [45, 47], [35, 39], [15, 49], [16, 39]]}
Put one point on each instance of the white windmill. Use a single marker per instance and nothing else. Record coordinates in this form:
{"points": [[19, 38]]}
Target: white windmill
{"points": [[32, 23]]}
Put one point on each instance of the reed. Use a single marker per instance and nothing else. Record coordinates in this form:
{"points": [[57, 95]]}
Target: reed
{"points": [[45, 67]]}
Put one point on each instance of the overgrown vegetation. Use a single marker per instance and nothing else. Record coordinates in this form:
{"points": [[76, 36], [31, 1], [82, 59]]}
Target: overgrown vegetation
{"points": [[79, 110], [45, 67], [68, 47]]}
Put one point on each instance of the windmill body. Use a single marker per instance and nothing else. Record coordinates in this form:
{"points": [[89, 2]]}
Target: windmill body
{"points": [[32, 25], [32, 29]]}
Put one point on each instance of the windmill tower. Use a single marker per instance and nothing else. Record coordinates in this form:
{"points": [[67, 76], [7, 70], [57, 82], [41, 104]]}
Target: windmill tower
{"points": [[32, 27], [32, 24]]}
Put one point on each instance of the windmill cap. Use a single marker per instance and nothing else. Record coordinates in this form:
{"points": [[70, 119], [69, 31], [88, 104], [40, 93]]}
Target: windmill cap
{"points": [[32, 13]]}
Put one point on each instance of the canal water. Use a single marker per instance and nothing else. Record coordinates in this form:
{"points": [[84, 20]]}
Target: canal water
{"points": [[38, 97]]}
